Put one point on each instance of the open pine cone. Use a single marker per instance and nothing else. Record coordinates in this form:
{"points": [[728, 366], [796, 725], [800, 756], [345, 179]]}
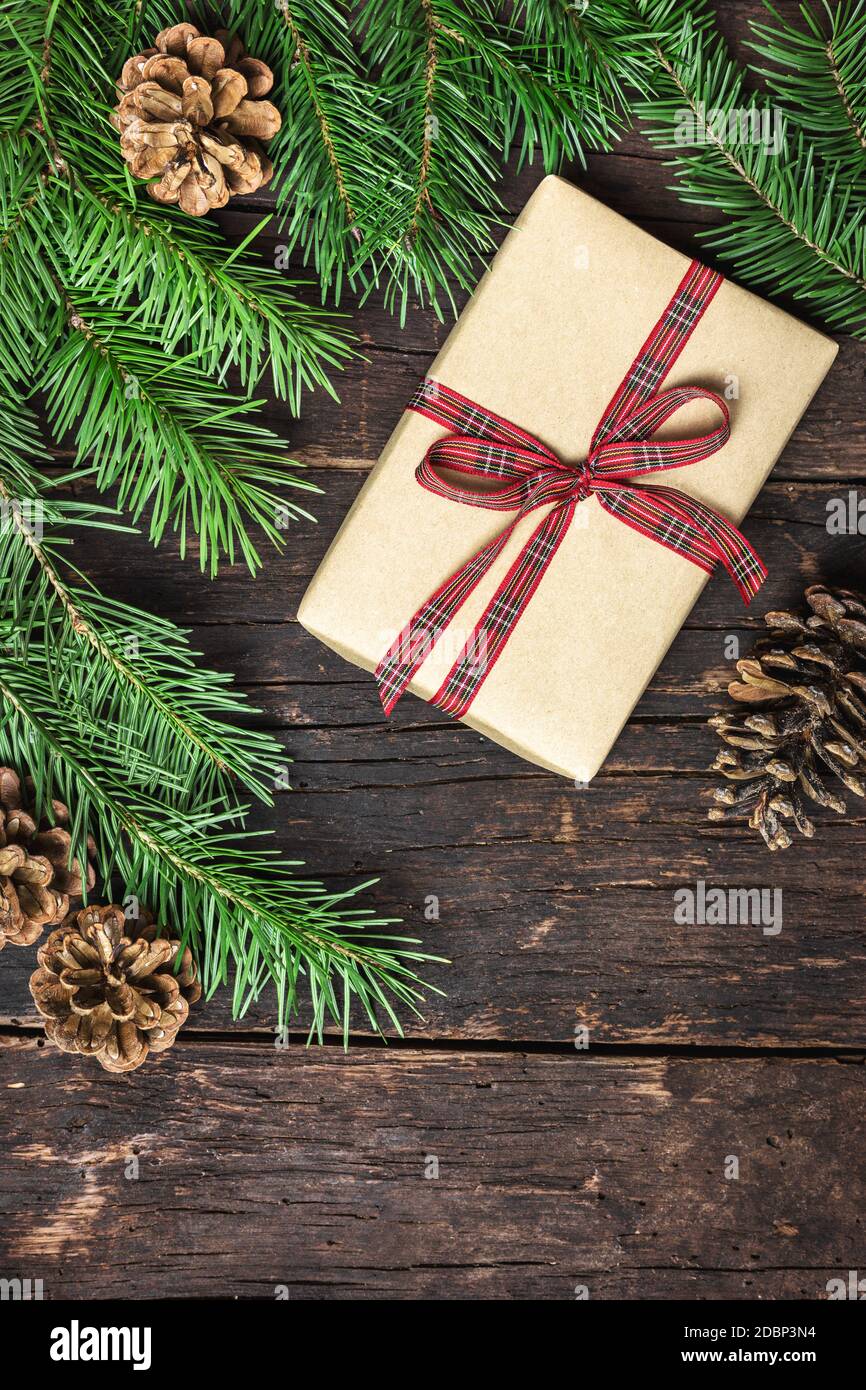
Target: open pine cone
{"points": [[37, 875], [190, 112], [110, 988], [803, 689]]}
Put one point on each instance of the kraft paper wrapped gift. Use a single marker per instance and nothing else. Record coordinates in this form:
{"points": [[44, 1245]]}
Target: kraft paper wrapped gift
{"points": [[547, 338]]}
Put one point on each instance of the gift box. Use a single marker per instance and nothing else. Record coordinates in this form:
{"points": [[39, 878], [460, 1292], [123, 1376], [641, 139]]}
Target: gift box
{"points": [[546, 513]]}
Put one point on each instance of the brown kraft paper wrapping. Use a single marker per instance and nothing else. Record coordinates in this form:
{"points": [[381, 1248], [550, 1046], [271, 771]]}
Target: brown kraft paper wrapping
{"points": [[546, 339]]}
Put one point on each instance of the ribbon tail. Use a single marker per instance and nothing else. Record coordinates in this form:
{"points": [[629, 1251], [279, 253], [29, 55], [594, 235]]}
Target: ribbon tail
{"points": [[689, 528], [501, 616], [414, 644]]}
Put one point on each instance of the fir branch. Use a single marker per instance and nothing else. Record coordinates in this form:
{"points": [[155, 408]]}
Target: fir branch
{"points": [[229, 311], [422, 195], [241, 313], [140, 750], [27, 292], [398, 113], [72, 234], [145, 689], [584, 62], [818, 76], [248, 913], [165, 436], [790, 223], [84, 627], [236, 312], [175, 274], [430, 223], [304, 58], [334, 142], [23, 30]]}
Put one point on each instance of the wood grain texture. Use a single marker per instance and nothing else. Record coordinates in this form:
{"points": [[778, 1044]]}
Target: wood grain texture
{"points": [[264, 1169], [787, 524], [555, 904], [261, 1167]]}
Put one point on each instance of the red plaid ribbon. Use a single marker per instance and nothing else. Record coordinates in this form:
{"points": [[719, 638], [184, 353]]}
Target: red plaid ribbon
{"points": [[483, 445]]}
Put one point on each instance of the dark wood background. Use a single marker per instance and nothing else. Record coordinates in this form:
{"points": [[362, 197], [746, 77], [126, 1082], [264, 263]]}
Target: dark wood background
{"points": [[263, 1169]]}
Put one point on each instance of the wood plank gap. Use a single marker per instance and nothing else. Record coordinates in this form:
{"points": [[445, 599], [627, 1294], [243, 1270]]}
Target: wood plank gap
{"points": [[847, 1055]]}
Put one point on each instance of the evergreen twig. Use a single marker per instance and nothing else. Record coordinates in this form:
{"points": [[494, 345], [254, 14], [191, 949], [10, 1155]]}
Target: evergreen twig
{"points": [[166, 305], [399, 113], [107, 709], [817, 75], [791, 221]]}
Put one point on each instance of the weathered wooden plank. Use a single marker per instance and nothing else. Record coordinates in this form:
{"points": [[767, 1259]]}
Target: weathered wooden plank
{"points": [[274, 663], [787, 525], [549, 896], [247, 1171], [422, 801], [557, 907], [829, 443]]}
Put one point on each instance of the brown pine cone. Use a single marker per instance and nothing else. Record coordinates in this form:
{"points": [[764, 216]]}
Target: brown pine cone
{"points": [[803, 688], [37, 876], [190, 115], [110, 988]]}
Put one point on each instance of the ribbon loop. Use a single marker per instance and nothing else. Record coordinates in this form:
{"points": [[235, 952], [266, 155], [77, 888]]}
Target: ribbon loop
{"points": [[629, 450], [514, 472]]}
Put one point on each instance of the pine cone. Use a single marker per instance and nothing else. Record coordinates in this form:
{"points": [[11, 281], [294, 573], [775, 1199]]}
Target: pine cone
{"points": [[811, 673], [37, 877], [190, 112], [108, 988]]}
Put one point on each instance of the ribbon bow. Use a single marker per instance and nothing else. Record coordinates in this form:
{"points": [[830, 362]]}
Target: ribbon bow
{"points": [[486, 447]]}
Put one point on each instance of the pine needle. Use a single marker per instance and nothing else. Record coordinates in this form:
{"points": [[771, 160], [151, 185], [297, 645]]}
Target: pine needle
{"points": [[108, 710], [792, 221], [129, 315]]}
